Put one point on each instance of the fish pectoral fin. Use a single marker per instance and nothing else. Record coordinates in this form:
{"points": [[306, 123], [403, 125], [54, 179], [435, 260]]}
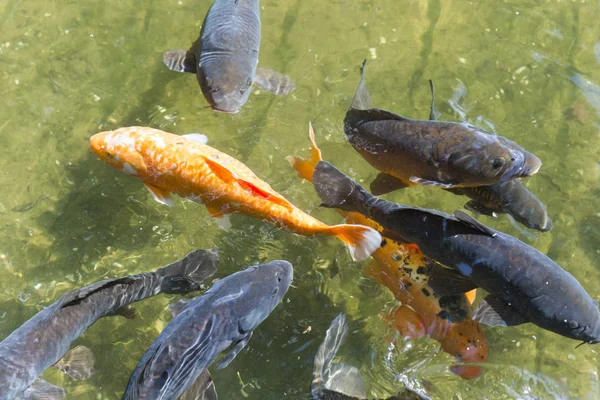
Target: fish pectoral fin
{"points": [[473, 223], [78, 363], [426, 182], [180, 60], [177, 307], [394, 236], [233, 352], [478, 208], [40, 389], [494, 311], [346, 379], [447, 282], [273, 81], [203, 388], [385, 183], [160, 195], [196, 137], [229, 177]]}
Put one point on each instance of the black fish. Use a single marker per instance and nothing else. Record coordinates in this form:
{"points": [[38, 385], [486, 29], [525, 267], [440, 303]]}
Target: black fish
{"points": [[430, 153], [225, 56], [508, 197], [524, 284], [223, 318], [44, 339], [339, 381]]}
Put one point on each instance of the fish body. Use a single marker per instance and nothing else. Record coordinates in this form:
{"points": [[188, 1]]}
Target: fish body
{"points": [[168, 163], [225, 56], [224, 317], [524, 284], [432, 153], [44, 339], [405, 271], [510, 197]]}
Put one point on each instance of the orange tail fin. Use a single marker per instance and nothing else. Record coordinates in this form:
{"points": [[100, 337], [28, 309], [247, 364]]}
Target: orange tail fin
{"points": [[360, 240], [305, 167]]}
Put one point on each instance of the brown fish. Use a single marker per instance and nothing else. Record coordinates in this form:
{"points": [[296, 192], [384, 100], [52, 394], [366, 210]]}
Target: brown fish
{"points": [[430, 153]]}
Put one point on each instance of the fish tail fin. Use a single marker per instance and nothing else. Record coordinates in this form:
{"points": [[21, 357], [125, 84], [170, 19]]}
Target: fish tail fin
{"points": [[306, 166], [362, 98], [327, 351], [336, 377], [337, 190], [360, 240], [183, 276]]}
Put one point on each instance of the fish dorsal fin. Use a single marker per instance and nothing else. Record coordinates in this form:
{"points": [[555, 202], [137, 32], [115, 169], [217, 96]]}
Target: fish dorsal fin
{"points": [[362, 98], [196, 137], [78, 363], [80, 294], [473, 223], [377, 114], [229, 176], [306, 167]]}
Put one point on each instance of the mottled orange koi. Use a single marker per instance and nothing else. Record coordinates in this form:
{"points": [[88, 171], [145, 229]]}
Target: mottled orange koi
{"points": [[404, 270], [169, 163]]}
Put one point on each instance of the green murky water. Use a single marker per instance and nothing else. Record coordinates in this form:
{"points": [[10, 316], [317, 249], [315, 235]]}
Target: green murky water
{"points": [[529, 70]]}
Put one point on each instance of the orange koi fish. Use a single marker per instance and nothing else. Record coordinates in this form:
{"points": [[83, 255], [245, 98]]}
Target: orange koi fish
{"points": [[183, 165], [405, 271]]}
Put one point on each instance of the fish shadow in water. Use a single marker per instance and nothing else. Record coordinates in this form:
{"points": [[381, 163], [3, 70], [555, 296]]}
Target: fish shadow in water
{"points": [[100, 208]]}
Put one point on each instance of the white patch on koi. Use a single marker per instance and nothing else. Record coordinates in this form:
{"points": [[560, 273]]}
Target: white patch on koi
{"points": [[120, 139], [159, 142]]}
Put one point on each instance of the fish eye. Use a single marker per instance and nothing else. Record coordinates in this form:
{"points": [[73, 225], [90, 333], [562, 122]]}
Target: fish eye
{"points": [[109, 155], [249, 82], [498, 162], [279, 279], [572, 324]]}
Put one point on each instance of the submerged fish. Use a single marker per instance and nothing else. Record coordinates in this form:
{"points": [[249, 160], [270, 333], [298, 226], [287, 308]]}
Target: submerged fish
{"points": [[511, 198], [223, 318], [430, 153], [524, 284], [405, 272], [168, 163], [225, 56], [339, 381], [41, 342]]}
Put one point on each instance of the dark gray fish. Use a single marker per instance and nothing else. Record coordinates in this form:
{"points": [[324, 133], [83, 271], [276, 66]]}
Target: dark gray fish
{"points": [[524, 285], [431, 153], [223, 318], [225, 56], [508, 198], [41, 342], [339, 381]]}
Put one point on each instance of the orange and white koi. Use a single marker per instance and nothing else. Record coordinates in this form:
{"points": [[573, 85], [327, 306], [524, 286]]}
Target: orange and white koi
{"points": [[184, 165], [405, 271]]}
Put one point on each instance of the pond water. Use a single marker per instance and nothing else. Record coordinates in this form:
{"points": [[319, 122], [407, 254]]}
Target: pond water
{"points": [[528, 70]]}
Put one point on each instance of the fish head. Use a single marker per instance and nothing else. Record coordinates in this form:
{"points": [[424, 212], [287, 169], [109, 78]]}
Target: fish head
{"points": [[118, 149], [264, 288], [499, 161], [226, 83]]}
